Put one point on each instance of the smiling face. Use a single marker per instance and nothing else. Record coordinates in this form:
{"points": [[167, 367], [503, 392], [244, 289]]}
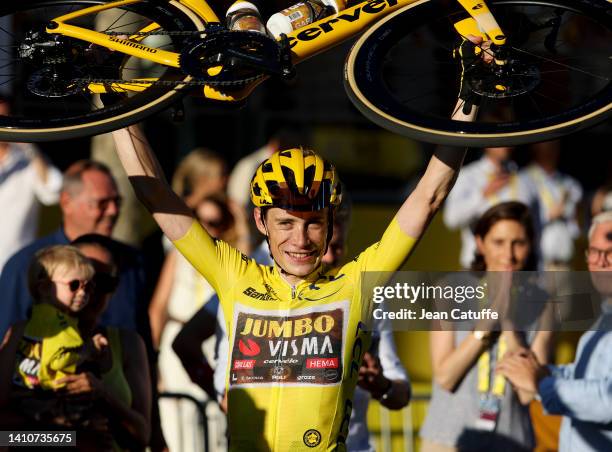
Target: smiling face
{"points": [[297, 239], [72, 288], [94, 208], [505, 247]]}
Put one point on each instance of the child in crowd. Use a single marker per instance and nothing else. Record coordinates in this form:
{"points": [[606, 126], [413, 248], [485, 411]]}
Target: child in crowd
{"points": [[60, 282]]}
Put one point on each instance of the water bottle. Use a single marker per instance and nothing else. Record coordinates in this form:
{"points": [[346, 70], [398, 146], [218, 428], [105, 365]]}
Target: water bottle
{"points": [[302, 14], [244, 16]]}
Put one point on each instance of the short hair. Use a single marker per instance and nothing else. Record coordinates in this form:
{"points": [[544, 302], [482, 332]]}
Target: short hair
{"points": [[193, 166], [73, 176], [603, 217], [47, 260]]}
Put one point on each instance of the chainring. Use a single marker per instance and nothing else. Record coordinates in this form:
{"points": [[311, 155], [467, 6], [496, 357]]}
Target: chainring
{"points": [[231, 58]]}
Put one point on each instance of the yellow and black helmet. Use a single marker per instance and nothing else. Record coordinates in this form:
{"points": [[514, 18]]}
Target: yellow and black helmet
{"points": [[296, 179]]}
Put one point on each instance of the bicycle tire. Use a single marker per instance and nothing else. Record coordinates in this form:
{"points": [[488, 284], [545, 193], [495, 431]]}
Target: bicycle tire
{"points": [[70, 115], [374, 84]]}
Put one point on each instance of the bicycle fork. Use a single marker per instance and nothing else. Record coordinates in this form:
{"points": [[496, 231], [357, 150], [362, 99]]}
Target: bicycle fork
{"points": [[483, 23]]}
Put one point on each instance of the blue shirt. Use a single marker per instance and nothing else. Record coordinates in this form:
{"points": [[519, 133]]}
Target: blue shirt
{"points": [[582, 391], [128, 308]]}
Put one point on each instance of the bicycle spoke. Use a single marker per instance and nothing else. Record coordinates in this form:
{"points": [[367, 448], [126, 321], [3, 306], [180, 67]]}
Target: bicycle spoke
{"points": [[572, 68], [116, 20], [127, 32]]}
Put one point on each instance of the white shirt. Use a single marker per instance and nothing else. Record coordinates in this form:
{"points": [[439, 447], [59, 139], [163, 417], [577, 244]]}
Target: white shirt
{"points": [[21, 192], [557, 239], [466, 201]]}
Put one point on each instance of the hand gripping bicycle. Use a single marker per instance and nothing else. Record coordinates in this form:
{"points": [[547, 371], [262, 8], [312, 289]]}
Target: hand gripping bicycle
{"points": [[97, 66]]}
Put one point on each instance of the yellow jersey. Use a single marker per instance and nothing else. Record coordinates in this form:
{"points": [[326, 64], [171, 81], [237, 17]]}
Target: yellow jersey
{"points": [[294, 352]]}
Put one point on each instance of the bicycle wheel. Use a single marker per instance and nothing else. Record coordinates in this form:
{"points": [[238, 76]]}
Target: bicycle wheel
{"points": [[48, 75], [401, 73]]}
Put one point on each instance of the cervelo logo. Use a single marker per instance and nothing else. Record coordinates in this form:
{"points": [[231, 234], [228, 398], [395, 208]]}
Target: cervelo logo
{"points": [[372, 7], [250, 348]]}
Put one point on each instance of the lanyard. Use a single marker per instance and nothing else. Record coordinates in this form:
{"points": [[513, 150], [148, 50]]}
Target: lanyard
{"points": [[546, 195], [494, 198], [484, 371]]}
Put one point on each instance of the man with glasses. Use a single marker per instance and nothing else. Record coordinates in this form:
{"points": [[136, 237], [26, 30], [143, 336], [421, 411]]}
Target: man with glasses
{"points": [[581, 391]]}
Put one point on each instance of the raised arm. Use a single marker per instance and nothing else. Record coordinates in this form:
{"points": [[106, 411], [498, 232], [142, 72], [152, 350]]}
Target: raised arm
{"points": [[431, 191], [149, 182]]}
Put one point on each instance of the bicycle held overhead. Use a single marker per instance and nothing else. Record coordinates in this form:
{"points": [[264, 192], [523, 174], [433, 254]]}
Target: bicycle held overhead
{"points": [[82, 67]]}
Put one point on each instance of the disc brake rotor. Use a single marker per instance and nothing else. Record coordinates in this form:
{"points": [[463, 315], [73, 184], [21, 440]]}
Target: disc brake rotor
{"points": [[53, 82], [515, 79]]}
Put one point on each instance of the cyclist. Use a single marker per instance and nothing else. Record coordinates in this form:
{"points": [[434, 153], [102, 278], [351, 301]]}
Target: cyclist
{"points": [[296, 334]]}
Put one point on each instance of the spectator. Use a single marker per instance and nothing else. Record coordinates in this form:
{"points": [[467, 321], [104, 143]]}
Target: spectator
{"points": [[470, 409], [90, 203], [124, 388], [60, 282], [602, 200], [480, 185], [26, 180], [558, 196], [200, 174], [581, 391], [118, 395]]}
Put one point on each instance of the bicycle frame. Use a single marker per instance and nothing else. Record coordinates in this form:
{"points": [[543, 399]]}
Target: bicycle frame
{"points": [[304, 43]]}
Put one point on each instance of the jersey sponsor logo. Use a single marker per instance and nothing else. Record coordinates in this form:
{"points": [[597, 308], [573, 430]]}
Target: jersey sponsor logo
{"points": [[312, 438], [27, 362], [251, 292], [262, 327], [322, 363], [250, 348], [299, 346], [244, 364]]}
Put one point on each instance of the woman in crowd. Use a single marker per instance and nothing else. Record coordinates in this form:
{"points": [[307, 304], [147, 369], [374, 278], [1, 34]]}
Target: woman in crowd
{"points": [[119, 389], [472, 408], [124, 388]]}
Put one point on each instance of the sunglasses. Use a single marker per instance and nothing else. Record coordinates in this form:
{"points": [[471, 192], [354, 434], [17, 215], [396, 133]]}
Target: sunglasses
{"points": [[105, 282], [76, 284]]}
